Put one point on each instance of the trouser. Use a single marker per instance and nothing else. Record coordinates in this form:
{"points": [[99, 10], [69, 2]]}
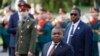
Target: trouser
{"points": [[95, 49], [11, 51], [99, 47], [38, 49], [23, 55], [5, 45]]}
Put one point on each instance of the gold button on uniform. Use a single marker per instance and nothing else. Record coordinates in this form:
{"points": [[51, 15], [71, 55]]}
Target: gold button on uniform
{"points": [[20, 41], [21, 31], [21, 36]]}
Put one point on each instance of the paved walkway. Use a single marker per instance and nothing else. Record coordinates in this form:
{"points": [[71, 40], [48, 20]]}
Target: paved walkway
{"points": [[3, 53]]}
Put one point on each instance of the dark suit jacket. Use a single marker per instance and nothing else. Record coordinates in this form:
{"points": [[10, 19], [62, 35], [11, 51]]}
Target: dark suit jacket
{"points": [[61, 50], [81, 41]]}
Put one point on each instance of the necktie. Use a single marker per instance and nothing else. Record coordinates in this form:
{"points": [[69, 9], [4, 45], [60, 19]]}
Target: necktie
{"points": [[52, 50], [71, 34]]}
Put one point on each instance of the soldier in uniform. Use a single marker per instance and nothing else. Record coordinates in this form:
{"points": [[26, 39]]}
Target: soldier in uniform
{"points": [[26, 33], [95, 25]]}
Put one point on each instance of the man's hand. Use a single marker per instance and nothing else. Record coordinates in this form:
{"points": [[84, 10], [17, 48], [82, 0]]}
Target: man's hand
{"points": [[16, 53], [30, 54]]}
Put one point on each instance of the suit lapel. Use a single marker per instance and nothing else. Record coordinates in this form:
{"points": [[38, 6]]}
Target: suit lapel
{"points": [[26, 24], [66, 32], [17, 16], [46, 49], [58, 48]]}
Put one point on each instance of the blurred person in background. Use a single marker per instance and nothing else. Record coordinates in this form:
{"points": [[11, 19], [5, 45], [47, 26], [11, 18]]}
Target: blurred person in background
{"points": [[1, 28], [62, 18], [95, 24], [44, 31], [5, 36], [99, 34], [8, 11]]}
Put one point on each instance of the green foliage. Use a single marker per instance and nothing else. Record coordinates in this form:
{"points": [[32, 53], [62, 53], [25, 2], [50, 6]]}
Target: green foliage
{"points": [[54, 5], [5, 3], [0, 3]]}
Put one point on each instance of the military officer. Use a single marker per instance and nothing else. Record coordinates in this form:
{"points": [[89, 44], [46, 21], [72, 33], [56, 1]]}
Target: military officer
{"points": [[26, 33]]}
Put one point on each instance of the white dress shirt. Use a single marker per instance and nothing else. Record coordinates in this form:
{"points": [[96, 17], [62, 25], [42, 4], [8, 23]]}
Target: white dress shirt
{"points": [[75, 26], [20, 17], [51, 46]]}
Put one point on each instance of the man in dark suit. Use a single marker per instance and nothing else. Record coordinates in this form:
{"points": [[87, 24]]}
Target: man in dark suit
{"points": [[78, 35], [26, 33], [12, 26], [57, 47]]}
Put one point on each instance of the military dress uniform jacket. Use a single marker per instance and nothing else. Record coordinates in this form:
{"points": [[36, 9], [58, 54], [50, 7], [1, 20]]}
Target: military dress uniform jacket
{"points": [[25, 37]]}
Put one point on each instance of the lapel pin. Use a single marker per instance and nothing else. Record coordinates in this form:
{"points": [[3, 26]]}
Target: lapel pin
{"points": [[27, 20], [78, 28]]}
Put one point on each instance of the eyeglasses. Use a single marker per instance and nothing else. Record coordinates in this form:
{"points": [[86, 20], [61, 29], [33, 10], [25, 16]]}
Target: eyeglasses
{"points": [[57, 33], [73, 14], [23, 10]]}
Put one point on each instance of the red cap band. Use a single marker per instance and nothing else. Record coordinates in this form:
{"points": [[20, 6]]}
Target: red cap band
{"points": [[24, 7]]}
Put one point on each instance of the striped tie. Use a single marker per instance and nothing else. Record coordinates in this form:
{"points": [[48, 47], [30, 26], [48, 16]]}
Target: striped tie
{"points": [[52, 50]]}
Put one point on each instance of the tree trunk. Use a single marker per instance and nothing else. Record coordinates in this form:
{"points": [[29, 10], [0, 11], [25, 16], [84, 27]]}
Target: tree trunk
{"points": [[94, 3], [1, 3]]}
